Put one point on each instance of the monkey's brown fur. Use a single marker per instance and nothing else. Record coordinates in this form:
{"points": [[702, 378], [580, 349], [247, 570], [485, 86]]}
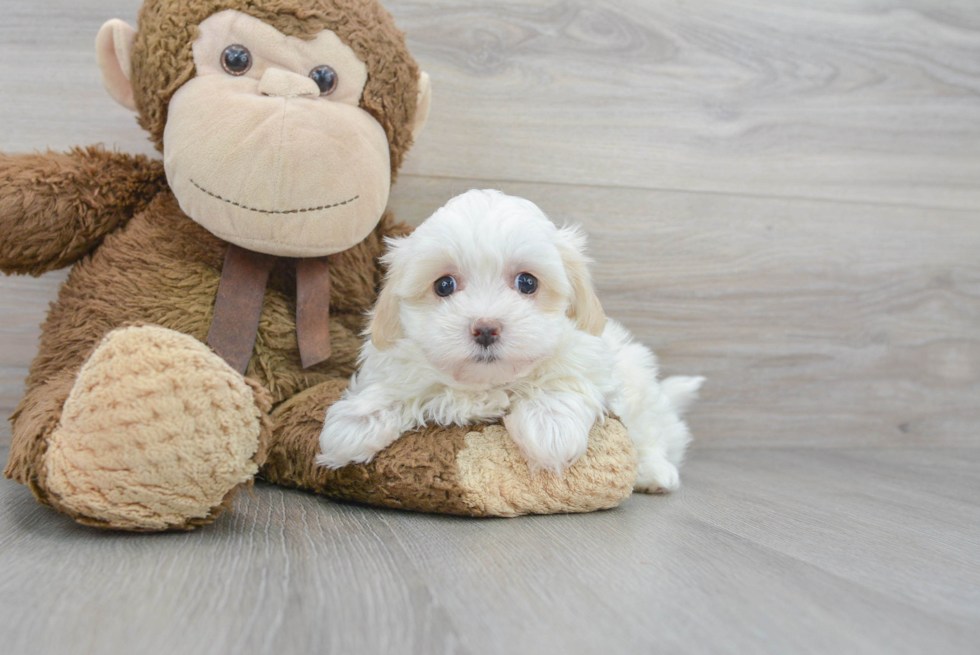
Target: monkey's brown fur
{"points": [[55, 208], [139, 260]]}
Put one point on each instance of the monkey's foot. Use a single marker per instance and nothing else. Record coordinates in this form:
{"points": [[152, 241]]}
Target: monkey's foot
{"points": [[157, 434], [472, 471]]}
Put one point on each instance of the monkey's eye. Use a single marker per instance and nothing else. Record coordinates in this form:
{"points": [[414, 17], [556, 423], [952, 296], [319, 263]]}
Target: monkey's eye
{"points": [[445, 286], [526, 283], [236, 60], [325, 78]]}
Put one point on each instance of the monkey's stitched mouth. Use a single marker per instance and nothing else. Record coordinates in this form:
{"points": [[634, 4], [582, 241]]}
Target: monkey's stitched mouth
{"points": [[274, 211]]}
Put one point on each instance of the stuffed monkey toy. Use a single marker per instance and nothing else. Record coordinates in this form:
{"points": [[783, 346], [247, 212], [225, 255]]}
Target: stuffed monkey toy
{"points": [[217, 298]]}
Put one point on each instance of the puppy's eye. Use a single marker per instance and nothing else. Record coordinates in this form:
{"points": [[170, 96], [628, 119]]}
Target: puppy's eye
{"points": [[526, 283], [236, 60], [445, 286], [325, 78]]}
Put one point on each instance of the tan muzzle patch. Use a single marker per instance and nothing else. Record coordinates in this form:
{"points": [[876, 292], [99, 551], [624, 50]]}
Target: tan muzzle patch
{"points": [[261, 158]]}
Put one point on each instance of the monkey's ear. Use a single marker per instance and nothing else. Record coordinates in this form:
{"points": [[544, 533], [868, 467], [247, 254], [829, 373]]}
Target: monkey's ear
{"points": [[424, 103], [585, 308], [113, 51], [386, 326]]}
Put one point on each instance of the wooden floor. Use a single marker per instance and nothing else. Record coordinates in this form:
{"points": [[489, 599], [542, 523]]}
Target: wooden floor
{"points": [[784, 197], [781, 550]]}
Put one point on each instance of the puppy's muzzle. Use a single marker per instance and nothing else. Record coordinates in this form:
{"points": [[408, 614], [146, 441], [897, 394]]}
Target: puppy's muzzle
{"points": [[486, 333]]}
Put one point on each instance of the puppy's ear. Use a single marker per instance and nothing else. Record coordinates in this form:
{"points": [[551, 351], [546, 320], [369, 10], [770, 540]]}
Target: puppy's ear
{"points": [[585, 308], [385, 327]]}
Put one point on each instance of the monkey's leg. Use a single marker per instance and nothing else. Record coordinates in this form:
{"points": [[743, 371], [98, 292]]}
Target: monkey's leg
{"points": [[154, 433], [475, 471]]}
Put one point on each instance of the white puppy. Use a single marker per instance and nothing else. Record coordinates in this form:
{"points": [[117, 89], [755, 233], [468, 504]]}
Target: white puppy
{"points": [[488, 312]]}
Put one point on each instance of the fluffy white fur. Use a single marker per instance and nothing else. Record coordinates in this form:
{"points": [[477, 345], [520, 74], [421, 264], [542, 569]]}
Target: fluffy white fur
{"points": [[557, 367]]}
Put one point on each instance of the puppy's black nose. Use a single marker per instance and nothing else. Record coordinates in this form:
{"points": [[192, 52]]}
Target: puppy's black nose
{"points": [[486, 333]]}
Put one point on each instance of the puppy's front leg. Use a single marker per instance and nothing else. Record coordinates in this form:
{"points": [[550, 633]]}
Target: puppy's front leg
{"points": [[552, 430], [358, 427]]}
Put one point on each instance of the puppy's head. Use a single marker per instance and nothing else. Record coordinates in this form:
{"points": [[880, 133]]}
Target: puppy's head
{"points": [[486, 288]]}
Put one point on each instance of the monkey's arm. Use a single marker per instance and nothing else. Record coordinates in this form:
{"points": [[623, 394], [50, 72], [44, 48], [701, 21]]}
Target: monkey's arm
{"points": [[57, 207]]}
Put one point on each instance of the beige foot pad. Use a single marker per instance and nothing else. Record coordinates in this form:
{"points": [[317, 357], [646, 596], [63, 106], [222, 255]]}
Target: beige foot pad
{"points": [[496, 481], [156, 434]]}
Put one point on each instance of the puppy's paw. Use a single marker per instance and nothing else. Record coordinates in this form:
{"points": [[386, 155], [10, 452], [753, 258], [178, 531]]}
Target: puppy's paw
{"points": [[656, 475], [353, 434], [550, 437]]}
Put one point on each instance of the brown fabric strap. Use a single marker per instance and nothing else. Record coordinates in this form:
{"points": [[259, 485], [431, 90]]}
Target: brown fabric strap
{"points": [[239, 305], [313, 310]]}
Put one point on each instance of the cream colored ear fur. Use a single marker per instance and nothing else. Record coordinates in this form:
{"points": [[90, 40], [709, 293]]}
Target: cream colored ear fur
{"points": [[585, 309], [113, 51], [386, 327]]}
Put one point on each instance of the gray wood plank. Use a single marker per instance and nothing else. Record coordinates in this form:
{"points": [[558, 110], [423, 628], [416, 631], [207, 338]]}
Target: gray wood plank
{"points": [[903, 523], [847, 100], [287, 573], [717, 567], [746, 558], [51, 94], [762, 551]]}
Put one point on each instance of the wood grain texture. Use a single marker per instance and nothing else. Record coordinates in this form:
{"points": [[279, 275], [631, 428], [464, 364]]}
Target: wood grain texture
{"points": [[762, 551], [286, 573], [848, 99], [843, 99], [51, 94]]}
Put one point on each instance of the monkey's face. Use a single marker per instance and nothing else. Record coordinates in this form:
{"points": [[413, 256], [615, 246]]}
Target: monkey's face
{"points": [[267, 147]]}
